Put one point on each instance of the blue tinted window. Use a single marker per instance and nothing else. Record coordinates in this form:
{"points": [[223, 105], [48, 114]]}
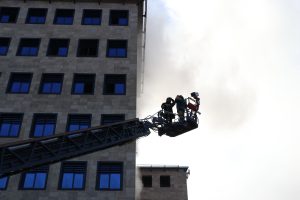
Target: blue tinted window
{"points": [[28, 47], [36, 16], [77, 122], [10, 125], [36, 20], [29, 51], [64, 16], [62, 51], [4, 18], [3, 50], [51, 83], [35, 179], [67, 180], [115, 181], [91, 17], [123, 21], [19, 83], [119, 88], [109, 176], [117, 48], [3, 183], [43, 125], [73, 175], [79, 88]]}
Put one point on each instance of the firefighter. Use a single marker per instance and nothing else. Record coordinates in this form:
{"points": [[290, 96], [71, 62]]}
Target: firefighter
{"points": [[168, 109], [181, 106]]}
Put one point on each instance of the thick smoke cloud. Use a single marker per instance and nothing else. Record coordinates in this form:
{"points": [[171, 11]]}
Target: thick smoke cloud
{"points": [[243, 58]]}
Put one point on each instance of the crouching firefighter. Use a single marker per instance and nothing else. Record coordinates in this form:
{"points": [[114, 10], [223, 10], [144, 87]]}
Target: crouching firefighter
{"points": [[168, 109]]}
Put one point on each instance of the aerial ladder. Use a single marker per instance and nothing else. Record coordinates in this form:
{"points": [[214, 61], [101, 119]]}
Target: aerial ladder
{"points": [[23, 155]]}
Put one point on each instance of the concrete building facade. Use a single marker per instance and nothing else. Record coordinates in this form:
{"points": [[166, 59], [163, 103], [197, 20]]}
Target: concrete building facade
{"points": [[163, 182], [67, 65]]}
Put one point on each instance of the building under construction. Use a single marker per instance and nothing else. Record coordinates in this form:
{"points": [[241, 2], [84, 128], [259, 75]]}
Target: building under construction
{"points": [[68, 65]]}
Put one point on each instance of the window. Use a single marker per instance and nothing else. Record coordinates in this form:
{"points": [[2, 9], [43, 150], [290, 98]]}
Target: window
{"points": [[165, 181], [118, 17], [51, 83], [19, 83], [72, 176], [43, 125], [83, 84], [9, 14], [10, 124], [28, 47], [35, 179], [147, 181], [109, 119], [36, 16], [58, 47], [64, 16], [4, 45], [87, 48], [109, 176], [116, 49], [3, 183], [91, 17], [78, 122], [115, 84]]}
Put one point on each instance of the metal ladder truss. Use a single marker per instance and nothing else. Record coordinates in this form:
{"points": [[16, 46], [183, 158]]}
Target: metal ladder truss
{"points": [[23, 155]]}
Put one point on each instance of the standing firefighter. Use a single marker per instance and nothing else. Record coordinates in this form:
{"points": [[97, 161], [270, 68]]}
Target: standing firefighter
{"points": [[168, 109], [181, 106]]}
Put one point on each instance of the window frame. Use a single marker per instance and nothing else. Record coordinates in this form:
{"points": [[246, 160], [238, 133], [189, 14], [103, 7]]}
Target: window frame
{"points": [[18, 116], [55, 40], [61, 10], [46, 76], [89, 77], [146, 178], [11, 79], [88, 116], [79, 47], [16, 17], [83, 17], [118, 24], [8, 44], [84, 163], [19, 50], [35, 171], [121, 164], [105, 92], [44, 117], [6, 183], [27, 20], [161, 184], [116, 40]]}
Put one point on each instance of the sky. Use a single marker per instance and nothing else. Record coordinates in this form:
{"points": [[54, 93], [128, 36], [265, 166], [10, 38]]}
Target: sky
{"points": [[243, 57]]}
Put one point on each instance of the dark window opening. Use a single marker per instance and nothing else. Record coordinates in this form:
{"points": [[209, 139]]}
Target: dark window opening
{"points": [[165, 181], [3, 183], [35, 179], [10, 125], [43, 125], [9, 14], [58, 47], [28, 47], [19, 83], [51, 83], [4, 45], [147, 181], [87, 48], [111, 118], [36, 16], [118, 17], [91, 17], [72, 176], [64, 16], [109, 176], [116, 48], [78, 122], [83, 84], [115, 84]]}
